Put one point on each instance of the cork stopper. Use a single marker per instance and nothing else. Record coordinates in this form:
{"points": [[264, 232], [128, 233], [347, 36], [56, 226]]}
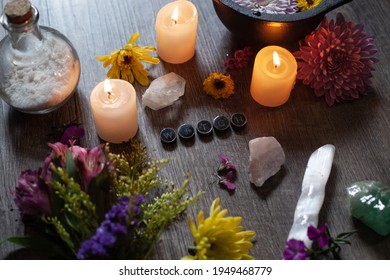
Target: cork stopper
{"points": [[18, 11]]}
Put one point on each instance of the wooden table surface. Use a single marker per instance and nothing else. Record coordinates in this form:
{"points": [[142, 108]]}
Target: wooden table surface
{"points": [[359, 130]]}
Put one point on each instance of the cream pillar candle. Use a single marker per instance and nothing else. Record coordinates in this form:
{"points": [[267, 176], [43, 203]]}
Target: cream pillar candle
{"points": [[273, 78], [114, 108], [176, 25]]}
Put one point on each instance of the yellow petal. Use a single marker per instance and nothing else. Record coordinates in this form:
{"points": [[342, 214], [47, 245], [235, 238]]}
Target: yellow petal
{"points": [[133, 38], [129, 77], [102, 57], [142, 80]]}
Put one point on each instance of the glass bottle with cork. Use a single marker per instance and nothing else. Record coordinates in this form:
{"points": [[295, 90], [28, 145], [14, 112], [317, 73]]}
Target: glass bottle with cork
{"points": [[39, 67]]}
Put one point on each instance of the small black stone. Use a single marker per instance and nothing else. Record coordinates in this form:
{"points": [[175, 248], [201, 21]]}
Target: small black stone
{"points": [[168, 135], [204, 127], [238, 120], [186, 131], [221, 123]]}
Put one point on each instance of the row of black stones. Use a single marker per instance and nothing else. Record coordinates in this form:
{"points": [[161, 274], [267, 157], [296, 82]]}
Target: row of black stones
{"points": [[203, 127]]}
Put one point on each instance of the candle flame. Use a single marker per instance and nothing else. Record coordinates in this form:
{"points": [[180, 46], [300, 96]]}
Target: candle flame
{"points": [[175, 15], [276, 59], [107, 86]]}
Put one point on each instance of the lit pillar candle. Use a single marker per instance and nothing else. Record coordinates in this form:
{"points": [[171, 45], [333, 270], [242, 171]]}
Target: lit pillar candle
{"points": [[114, 108], [176, 25], [273, 77]]}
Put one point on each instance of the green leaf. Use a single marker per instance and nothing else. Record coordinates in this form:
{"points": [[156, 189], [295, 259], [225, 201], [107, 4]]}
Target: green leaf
{"points": [[72, 222], [100, 194], [39, 244], [342, 241], [345, 235], [70, 166]]}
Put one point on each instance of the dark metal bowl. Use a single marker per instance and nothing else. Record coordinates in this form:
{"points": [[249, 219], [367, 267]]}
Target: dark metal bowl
{"points": [[280, 29]]}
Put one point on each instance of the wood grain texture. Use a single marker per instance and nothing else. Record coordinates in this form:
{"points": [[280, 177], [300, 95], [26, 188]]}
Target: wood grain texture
{"points": [[359, 130]]}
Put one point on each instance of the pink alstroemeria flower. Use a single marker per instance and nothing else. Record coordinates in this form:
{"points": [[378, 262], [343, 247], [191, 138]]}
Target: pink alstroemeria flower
{"points": [[90, 162], [32, 195]]}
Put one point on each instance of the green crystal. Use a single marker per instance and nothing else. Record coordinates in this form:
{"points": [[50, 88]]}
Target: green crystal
{"points": [[370, 203]]}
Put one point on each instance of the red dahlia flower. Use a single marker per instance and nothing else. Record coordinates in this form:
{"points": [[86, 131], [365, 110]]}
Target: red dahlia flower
{"points": [[336, 60]]}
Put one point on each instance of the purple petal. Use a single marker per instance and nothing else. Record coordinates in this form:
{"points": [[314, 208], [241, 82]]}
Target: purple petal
{"points": [[32, 195], [229, 185], [313, 233], [295, 250], [231, 176], [320, 234], [72, 134]]}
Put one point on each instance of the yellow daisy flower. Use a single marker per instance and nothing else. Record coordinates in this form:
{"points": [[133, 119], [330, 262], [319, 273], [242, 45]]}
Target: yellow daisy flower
{"points": [[305, 5], [218, 85], [126, 63], [219, 237]]}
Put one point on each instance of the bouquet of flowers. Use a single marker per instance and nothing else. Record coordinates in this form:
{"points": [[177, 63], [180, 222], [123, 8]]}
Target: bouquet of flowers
{"points": [[95, 204]]}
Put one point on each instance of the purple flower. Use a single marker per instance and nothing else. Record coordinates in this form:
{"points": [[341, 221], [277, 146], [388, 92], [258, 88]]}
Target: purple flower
{"points": [[137, 201], [229, 179], [72, 135], [230, 63], [336, 60], [60, 151], [91, 247], [225, 163], [116, 223], [32, 195], [320, 234], [295, 250], [89, 162], [248, 52], [240, 60]]}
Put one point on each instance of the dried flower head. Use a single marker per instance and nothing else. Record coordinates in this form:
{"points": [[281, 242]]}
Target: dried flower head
{"points": [[336, 60], [218, 85], [305, 5], [126, 62]]}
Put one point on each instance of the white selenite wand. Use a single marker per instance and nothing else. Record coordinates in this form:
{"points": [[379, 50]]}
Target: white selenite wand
{"points": [[313, 193]]}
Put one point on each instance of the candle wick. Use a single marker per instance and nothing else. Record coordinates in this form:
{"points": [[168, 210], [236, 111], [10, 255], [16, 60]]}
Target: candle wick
{"points": [[109, 95], [174, 21]]}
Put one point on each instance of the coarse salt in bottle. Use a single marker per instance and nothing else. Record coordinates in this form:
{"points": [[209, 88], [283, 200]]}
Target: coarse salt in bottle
{"points": [[39, 67]]}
